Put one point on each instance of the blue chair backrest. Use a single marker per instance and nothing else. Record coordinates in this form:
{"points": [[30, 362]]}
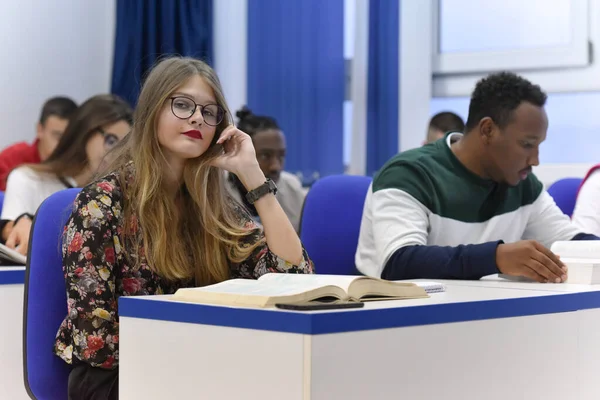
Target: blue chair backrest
{"points": [[331, 222], [564, 192], [45, 305], [1, 201]]}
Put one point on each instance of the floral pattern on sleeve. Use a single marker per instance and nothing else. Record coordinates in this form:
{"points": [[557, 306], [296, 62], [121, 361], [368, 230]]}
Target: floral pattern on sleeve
{"points": [[90, 332]]}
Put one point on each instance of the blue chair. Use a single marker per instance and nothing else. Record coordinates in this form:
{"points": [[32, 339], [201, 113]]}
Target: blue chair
{"points": [[331, 222], [1, 200], [45, 304], [564, 192]]}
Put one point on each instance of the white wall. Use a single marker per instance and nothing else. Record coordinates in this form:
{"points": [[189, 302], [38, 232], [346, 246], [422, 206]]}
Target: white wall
{"points": [[349, 43], [414, 77], [230, 25], [58, 47], [356, 47], [416, 28]]}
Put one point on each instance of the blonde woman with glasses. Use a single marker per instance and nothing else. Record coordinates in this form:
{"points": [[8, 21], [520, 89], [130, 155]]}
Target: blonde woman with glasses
{"points": [[162, 219]]}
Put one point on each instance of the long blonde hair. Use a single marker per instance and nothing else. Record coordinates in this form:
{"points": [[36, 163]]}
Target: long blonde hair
{"points": [[207, 235]]}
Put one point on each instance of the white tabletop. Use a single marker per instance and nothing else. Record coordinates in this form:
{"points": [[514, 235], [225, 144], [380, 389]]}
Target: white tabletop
{"points": [[12, 268], [459, 303], [459, 294], [496, 282]]}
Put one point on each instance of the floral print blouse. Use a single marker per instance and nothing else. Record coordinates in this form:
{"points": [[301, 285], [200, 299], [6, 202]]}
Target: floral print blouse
{"points": [[97, 274]]}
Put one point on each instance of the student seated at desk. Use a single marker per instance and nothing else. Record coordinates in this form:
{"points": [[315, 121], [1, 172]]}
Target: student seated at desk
{"points": [[269, 143], [469, 206], [441, 123], [94, 129], [51, 126], [162, 219]]}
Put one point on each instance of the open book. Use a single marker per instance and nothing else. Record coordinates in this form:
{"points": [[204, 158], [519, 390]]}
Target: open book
{"points": [[11, 257], [271, 289]]}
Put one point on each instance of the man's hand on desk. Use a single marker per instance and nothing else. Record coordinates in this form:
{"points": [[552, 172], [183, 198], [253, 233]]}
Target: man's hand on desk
{"points": [[530, 259]]}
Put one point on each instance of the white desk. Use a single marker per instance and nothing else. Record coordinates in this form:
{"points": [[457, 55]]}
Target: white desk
{"points": [[11, 333], [467, 343], [496, 282]]}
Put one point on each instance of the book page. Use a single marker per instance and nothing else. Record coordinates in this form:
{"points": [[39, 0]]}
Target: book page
{"points": [[250, 287], [369, 289], [249, 292], [341, 281]]}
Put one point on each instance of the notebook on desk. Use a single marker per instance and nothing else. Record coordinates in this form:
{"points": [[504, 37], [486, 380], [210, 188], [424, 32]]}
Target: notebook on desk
{"points": [[271, 289], [582, 258], [11, 257], [431, 287]]}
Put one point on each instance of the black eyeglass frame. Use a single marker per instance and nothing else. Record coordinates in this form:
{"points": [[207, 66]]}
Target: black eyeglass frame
{"points": [[220, 110]]}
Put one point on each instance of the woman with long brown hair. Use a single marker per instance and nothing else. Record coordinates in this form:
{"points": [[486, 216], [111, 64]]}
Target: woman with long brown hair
{"points": [[94, 129], [162, 219]]}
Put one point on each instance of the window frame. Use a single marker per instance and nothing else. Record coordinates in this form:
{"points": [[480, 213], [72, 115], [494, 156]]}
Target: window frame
{"points": [[574, 54]]}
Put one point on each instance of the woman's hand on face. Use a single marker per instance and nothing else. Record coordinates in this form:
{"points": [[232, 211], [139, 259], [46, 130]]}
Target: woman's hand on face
{"points": [[239, 153], [239, 157]]}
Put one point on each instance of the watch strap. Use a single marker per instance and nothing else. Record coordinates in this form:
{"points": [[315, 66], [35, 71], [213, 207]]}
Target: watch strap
{"points": [[268, 187]]}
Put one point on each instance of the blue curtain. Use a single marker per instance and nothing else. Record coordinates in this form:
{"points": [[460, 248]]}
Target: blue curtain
{"points": [[149, 29], [382, 84], [296, 75]]}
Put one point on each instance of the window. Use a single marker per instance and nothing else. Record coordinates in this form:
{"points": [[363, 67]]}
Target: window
{"points": [[492, 35]]}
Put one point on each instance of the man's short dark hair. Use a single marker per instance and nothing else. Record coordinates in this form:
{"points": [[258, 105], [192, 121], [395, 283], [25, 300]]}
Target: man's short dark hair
{"points": [[61, 107], [447, 121], [498, 95]]}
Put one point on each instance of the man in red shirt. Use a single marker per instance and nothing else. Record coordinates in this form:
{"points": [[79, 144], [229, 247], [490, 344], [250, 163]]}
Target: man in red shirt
{"points": [[53, 121]]}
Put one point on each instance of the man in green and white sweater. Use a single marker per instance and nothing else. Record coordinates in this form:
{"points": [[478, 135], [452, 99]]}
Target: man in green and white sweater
{"points": [[468, 205]]}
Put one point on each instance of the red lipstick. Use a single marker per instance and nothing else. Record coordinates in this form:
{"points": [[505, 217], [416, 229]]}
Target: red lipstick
{"points": [[194, 134]]}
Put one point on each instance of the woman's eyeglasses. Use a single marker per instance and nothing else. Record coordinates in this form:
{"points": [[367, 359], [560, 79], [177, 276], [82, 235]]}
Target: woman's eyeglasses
{"points": [[110, 139], [184, 108]]}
